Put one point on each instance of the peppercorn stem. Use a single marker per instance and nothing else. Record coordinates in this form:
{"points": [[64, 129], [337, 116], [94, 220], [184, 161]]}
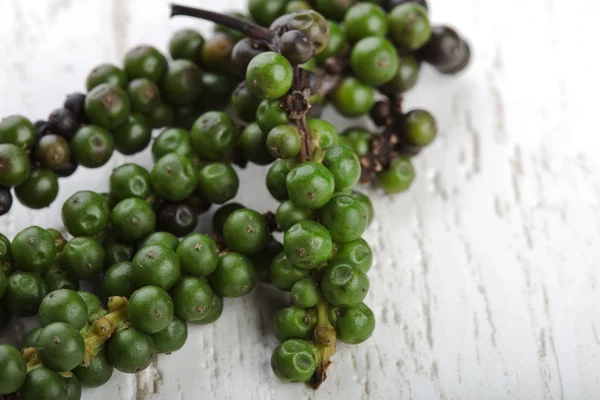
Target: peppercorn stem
{"points": [[246, 27], [325, 338]]}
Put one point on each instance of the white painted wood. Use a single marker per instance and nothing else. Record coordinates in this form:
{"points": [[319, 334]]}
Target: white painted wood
{"points": [[485, 283]]}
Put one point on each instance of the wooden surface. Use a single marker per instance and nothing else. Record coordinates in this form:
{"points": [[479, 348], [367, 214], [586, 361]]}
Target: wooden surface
{"points": [[486, 272]]}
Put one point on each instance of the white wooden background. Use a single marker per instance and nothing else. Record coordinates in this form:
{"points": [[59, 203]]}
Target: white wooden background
{"points": [[486, 277]]}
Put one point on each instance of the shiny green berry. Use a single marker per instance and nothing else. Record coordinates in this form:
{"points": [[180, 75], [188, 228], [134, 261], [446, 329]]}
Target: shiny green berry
{"points": [[294, 323], [130, 350], [213, 135], [357, 253], [270, 114], [93, 303], [374, 60], [13, 369], [307, 244], [193, 298], [172, 338], [407, 75], [398, 177], [17, 130], [276, 178], [198, 255], [269, 75], [129, 180], [363, 20], [133, 219], [214, 312], [221, 216], [133, 135], [173, 177], [345, 218], [244, 102], [83, 257], [172, 140], [409, 26], [289, 214], [92, 146], [145, 62], [43, 384], [344, 166], [322, 132], [33, 249], [143, 94], [96, 373], [118, 280], [359, 140], [14, 165], [284, 141], [182, 82], [156, 265], [85, 213], [305, 293], [106, 73], [284, 274], [246, 231], [355, 325], [314, 25], [107, 106], [218, 182], [265, 11], [39, 190], [420, 128], [344, 285], [310, 185], [353, 98], [24, 293], [253, 145], [235, 275], [60, 346], [63, 305], [161, 238], [294, 361], [335, 44], [150, 309], [186, 44]]}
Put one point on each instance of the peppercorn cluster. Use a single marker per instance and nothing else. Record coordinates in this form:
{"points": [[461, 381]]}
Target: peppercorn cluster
{"points": [[252, 93]]}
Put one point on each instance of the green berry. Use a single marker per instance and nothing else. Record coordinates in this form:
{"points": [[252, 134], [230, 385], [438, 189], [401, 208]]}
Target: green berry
{"points": [[365, 201], [284, 141], [314, 25], [133, 219], [244, 102], [115, 252], [198, 255], [156, 265], [33, 249], [265, 11], [270, 114], [335, 44], [161, 115], [150, 309], [39, 190], [145, 62], [355, 325], [409, 26], [221, 216], [359, 139], [106, 74], [96, 373], [407, 75], [363, 20], [193, 298], [173, 177], [420, 128], [60, 346], [93, 303], [107, 106], [52, 151], [130, 350], [357, 253], [133, 135], [143, 94], [344, 165], [269, 75], [129, 180], [92, 146], [13, 369], [218, 182], [60, 279], [305, 293], [374, 60], [246, 231], [294, 323], [85, 213], [186, 44], [310, 185], [162, 238], [182, 83], [276, 178], [235, 275], [345, 218], [216, 53], [5, 252], [43, 384], [398, 177], [307, 244], [294, 361], [253, 145], [289, 214], [263, 259], [118, 280], [31, 338], [214, 312], [296, 5], [284, 274], [352, 98], [344, 285], [63, 305], [172, 338], [24, 293], [14, 165], [213, 135], [17, 130], [172, 140], [83, 257]]}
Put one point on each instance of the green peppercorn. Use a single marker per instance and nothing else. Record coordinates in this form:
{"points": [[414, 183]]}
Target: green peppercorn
{"points": [[374, 60], [398, 177], [17, 130], [335, 44], [265, 11], [221, 216], [33, 249], [107, 106], [294, 323], [39, 190], [420, 128], [214, 312], [24, 293], [133, 219], [63, 305], [92, 146], [263, 259], [269, 75], [145, 62], [357, 253], [305, 293], [143, 94], [213, 135], [150, 309], [172, 140], [173, 177], [284, 274], [407, 75], [218, 182], [235, 275], [310, 185], [156, 265], [270, 114], [162, 238], [193, 298], [14, 165], [294, 361], [276, 178], [244, 102], [344, 285], [198, 255], [60, 346], [289, 214], [83, 257], [130, 180], [161, 115], [246, 231], [118, 280], [352, 98], [130, 350], [85, 213], [322, 132], [106, 73], [186, 44], [307, 244], [355, 325], [96, 373], [314, 25], [253, 145], [182, 83], [345, 218], [409, 26], [134, 135], [172, 338]]}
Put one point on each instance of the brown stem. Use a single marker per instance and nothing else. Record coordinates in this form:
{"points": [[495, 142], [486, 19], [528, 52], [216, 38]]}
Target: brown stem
{"points": [[298, 106], [246, 27]]}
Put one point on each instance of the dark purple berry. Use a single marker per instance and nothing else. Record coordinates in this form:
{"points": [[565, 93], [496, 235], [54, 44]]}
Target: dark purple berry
{"points": [[6, 200], [75, 103], [63, 122], [66, 169]]}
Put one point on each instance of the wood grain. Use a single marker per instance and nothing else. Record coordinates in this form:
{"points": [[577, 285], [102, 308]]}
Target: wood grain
{"points": [[486, 273]]}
